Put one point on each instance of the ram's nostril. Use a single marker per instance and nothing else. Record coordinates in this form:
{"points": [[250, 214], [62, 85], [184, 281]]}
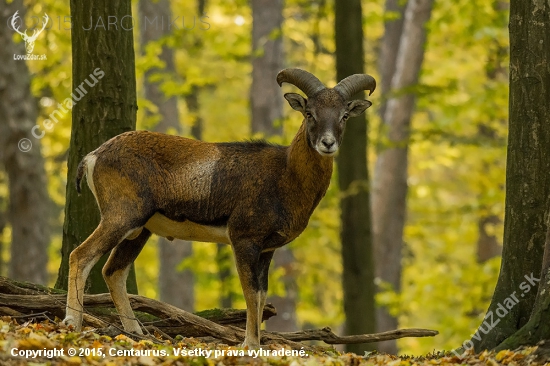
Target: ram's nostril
{"points": [[328, 143]]}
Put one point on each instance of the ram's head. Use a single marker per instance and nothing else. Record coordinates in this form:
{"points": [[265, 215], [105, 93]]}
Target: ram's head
{"points": [[327, 109]]}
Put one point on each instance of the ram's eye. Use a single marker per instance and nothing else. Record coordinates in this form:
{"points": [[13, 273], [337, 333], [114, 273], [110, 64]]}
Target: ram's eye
{"points": [[345, 117], [309, 115]]}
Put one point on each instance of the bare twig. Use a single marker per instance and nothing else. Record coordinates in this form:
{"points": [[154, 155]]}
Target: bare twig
{"points": [[154, 329]]}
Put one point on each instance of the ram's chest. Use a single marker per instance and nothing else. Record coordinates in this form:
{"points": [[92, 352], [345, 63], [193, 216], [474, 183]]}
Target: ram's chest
{"points": [[292, 225]]}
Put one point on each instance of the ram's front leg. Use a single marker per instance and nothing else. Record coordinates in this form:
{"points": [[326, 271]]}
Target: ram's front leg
{"points": [[265, 261], [247, 260]]}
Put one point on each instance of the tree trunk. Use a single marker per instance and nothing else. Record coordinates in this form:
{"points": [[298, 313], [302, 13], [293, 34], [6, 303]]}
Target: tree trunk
{"points": [[225, 274], [266, 102], [286, 320], [175, 287], [107, 109], [527, 183], [3, 223], [353, 179], [390, 179], [393, 29], [538, 328], [29, 203], [487, 243]]}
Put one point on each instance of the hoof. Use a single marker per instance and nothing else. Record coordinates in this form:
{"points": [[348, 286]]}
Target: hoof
{"points": [[68, 321], [250, 345]]}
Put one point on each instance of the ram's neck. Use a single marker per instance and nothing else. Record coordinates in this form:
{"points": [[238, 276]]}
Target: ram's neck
{"points": [[307, 169]]}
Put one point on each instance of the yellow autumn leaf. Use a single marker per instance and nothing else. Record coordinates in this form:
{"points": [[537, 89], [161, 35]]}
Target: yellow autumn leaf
{"points": [[503, 354]]}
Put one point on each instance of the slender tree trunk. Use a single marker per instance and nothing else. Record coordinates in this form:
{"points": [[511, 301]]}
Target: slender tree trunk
{"points": [[527, 182], [393, 29], [266, 100], [28, 205], [107, 108], [353, 179], [390, 179], [487, 243], [3, 223], [266, 103], [225, 275], [175, 287], [2, 244]]}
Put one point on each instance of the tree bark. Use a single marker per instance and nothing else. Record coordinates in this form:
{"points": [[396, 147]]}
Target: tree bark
{"points": [[175, 287], [3, 223], [225, 274], [353, 179], [286, 320], [390, 178], [527, 183], [393, 29], [537, 328], [107, 109], [487, 243], [266, 102], [29, 202]]}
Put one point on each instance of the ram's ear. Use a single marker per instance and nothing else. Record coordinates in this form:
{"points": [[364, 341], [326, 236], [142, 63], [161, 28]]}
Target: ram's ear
{"points": [[296, 101], [356, 107]]}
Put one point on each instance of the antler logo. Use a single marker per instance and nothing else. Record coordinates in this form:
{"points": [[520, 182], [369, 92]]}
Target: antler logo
{"points": [[29, 40]]}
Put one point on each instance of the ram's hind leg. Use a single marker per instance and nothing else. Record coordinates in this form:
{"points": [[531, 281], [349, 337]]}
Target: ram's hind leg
{"points": [[81, 262], [115, 273]]}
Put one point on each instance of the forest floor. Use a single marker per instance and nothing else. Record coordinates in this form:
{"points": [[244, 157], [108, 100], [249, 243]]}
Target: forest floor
{"points": [[47, 343]]}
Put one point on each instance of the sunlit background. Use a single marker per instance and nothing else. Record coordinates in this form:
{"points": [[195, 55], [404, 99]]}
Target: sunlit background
{"points": [[456, 172]]}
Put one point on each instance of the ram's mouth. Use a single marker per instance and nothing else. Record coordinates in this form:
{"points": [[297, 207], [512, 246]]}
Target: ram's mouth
{"points": [[327, 152]]}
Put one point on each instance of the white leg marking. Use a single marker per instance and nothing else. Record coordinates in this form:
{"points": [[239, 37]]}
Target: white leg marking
{"points": [[75, 297], [252, 337]]}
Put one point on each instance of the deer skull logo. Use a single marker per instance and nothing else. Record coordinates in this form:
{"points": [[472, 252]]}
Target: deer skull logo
{"points": [[29, 40]]}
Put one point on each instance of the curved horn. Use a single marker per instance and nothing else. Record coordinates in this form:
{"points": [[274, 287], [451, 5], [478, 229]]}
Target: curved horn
{"points": [[353, 84], [302, 79]]}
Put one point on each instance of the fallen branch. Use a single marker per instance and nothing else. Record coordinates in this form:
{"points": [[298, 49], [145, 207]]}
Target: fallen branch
{"points": [[224, 325], [32, 299], [326, 335]]}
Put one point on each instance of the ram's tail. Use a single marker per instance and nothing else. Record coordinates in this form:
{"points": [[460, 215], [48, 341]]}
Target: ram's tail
{"points": [[80, 171]]}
